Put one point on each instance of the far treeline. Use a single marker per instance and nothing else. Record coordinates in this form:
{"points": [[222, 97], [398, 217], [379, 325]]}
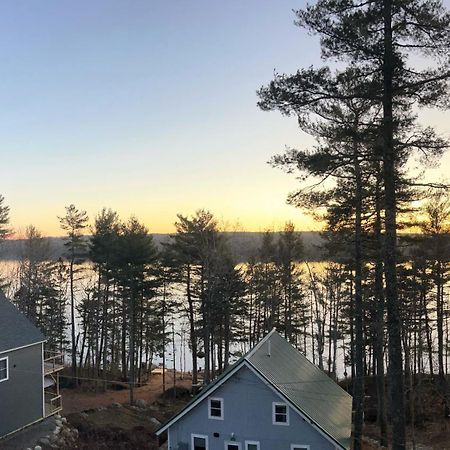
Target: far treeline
{"points": [[243, 245]]}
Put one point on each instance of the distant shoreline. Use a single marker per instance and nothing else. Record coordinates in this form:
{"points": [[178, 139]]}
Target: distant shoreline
{"points": [[243, 244]]}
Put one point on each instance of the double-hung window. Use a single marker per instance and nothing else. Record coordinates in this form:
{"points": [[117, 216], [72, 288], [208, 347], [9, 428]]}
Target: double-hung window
{"points": [[199, 442], [299, 447], [252, 445], [4, 375], [215, 408], [280, 413]]}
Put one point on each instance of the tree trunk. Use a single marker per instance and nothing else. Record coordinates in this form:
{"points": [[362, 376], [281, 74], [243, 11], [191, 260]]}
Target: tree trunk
{"points": [[379, 322], [358, 381], [397, 405], [193, 336]]}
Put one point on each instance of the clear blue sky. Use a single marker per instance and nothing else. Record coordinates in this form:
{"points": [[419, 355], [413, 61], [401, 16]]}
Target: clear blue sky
{"points": [[148, 107]]}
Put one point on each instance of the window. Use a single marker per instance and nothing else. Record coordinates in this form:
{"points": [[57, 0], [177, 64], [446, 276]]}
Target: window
{"points": [[215, 408], [299, 447], [4, 369], [252, 445], [199, 442], [280, 414], [232, 445]]}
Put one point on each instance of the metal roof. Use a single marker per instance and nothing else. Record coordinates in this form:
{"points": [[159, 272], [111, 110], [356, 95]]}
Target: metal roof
{"points": [[307, 387], [15, 329]]}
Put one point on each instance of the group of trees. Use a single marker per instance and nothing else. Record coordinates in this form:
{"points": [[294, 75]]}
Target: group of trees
{"points": [[363, 116], [131, 298]]}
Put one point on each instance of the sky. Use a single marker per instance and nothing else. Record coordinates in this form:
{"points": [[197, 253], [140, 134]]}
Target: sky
{"points": [[149, 107]]}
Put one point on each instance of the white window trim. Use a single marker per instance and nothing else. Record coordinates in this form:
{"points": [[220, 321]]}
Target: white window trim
{"points": [[203, 436], [247, 443], [295, 446], [218, 399], [226, 443], [6, 358], [274, 422]]}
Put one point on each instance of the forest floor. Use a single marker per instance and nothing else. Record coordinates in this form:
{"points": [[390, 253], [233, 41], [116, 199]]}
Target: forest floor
{"points": [[433, 435]]}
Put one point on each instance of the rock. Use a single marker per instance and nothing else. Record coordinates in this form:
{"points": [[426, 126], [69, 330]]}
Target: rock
{"points": [[141, 403], [44, 441], [57, 416], [38, 447], [117, 405], [58, 423], [56, 431], [101, 408], [155, 421], [64, 420]]}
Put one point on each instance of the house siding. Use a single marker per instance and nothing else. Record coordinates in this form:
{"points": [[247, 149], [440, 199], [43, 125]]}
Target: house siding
{"points": [[247, 414], [21, 395]]}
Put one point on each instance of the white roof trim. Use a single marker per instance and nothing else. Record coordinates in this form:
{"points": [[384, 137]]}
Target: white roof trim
{"points": [[23, 346], [201, 397]]}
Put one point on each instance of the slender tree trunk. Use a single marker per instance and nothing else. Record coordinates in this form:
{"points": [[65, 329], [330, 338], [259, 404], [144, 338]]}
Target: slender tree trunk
{"points": [[358, 381], [132, 345], [397, 405], [440, 332], [193, 336], [164, 338], [428, 331], [379, 322], [72, 319]]}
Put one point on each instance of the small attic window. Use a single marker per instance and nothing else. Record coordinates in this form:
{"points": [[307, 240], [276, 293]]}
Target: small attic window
{"points": [[280, 414], [215, 408], [4, 369]]}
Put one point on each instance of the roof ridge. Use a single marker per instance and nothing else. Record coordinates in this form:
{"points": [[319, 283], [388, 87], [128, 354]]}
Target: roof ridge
{"points": [[252, 351]]}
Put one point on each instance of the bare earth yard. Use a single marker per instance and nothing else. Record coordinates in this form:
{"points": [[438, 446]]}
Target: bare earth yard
{"points": [[106, 421]]}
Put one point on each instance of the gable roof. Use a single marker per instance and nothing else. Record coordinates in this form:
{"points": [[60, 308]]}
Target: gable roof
{"points": [[306, 388], [15, 329]]}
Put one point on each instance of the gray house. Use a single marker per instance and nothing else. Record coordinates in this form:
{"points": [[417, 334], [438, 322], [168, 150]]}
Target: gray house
{"points": [[29, 387], [273, 398]]}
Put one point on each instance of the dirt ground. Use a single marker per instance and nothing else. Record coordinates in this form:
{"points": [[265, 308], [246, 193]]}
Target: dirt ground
{"points": [[77, 400], [106, 421]]}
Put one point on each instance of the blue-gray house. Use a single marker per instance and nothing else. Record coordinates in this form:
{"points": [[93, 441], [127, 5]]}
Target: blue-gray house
{"points": [[273, 398], [29, 388]]}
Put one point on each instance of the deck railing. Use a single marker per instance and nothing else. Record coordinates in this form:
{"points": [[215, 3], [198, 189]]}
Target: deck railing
{"points": [[53, 403], [53, 362]]}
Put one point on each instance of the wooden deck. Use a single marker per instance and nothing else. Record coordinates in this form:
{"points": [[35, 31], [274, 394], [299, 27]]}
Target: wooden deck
{"points": [[53, 362]]}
